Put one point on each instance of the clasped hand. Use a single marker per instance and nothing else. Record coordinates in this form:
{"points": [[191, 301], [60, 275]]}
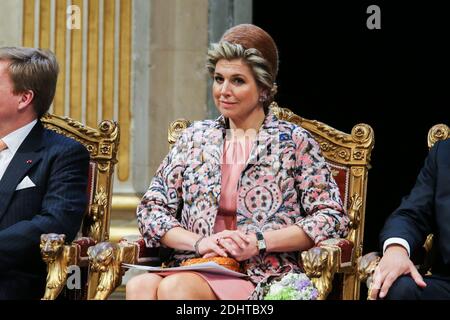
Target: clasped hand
{"points": [[226, 243]]}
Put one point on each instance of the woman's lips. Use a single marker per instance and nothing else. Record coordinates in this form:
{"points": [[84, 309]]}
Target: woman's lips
{"points": [[227, 104]]}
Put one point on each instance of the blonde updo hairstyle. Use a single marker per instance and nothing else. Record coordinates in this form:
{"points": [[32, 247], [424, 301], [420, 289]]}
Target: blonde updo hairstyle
{"points": [[256, 48]]}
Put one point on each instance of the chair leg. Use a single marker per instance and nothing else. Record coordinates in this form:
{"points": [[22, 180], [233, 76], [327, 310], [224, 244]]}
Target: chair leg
{"points": [[58, 258]]}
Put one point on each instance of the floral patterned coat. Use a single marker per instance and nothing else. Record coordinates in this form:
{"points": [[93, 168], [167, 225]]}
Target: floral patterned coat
{"points": [[285, 182]]}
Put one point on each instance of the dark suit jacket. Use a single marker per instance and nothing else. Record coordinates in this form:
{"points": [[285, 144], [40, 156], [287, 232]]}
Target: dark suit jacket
{"points": [[427, 209], [58, 166]]}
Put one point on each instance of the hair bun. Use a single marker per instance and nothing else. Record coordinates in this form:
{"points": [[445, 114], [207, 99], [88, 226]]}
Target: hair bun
{"points": [[251, 36]]}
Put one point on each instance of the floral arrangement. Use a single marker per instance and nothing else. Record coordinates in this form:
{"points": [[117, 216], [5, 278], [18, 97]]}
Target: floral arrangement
{"points": [[293, 286]]}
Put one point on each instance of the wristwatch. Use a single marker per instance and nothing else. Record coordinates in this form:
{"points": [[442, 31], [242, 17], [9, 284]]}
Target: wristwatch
{"points": [[260, 242]]}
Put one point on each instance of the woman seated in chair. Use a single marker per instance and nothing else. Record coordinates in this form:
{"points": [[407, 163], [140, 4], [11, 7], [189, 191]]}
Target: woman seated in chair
{"points": [[249, 186]]}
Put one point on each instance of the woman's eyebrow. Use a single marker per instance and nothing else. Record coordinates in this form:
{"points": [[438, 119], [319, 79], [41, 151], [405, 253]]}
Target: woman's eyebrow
{"points": [[234, 75]]}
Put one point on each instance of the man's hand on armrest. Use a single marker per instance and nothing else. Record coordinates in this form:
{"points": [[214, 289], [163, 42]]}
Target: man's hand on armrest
{"points": [[394, 263]]}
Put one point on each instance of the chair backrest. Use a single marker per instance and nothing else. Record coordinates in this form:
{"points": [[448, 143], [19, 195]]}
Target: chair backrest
{"points": [[102, 144], [348, 156]]}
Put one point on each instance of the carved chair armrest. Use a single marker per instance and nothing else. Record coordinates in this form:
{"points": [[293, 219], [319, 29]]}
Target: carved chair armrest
{"points": [[324, 260], [59, 257], [106, 261], [426, 256], [344, 249], [145, 255], [83, 244], [366, 267], [105, 267]]}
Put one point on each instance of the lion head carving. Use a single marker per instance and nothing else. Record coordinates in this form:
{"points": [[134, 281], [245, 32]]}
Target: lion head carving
{"points": [[314, 261], [51, 246], [102, 255]]}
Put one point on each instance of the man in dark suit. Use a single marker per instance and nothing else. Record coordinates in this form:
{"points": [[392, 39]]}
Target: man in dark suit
{"points": [[43, 175], [426, 210]]}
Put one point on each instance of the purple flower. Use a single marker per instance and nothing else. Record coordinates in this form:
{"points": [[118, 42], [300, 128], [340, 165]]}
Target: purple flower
{"points": [[293, 286], [314, 294], [301, 284]]}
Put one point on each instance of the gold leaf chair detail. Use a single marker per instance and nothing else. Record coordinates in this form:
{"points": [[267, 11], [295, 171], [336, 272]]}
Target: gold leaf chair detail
{"points": [[348, 156], [368, 262], [438, 132], [102, 144]]}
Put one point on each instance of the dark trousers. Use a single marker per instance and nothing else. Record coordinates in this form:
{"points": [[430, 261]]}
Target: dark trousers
{"points": [[404, 288], [20, 287]]}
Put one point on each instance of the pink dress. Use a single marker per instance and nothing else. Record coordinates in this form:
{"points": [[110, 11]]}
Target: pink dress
{"points": [[234, 158]]}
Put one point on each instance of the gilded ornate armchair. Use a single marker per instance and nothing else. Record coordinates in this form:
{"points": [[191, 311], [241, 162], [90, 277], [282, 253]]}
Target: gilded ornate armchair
{"points": [[331, 264], [102, 144], [368, 262]]}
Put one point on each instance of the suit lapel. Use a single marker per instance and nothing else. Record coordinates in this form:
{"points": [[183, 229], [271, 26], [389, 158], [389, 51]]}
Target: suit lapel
{"points": [[26, 157]]}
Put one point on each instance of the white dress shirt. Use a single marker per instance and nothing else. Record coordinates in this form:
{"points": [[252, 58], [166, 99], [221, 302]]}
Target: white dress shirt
{"points": [[399, 241], [13, 141]]}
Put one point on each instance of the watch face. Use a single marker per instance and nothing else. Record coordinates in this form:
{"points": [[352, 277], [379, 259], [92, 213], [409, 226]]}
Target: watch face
{"points": [[261, 244]]}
